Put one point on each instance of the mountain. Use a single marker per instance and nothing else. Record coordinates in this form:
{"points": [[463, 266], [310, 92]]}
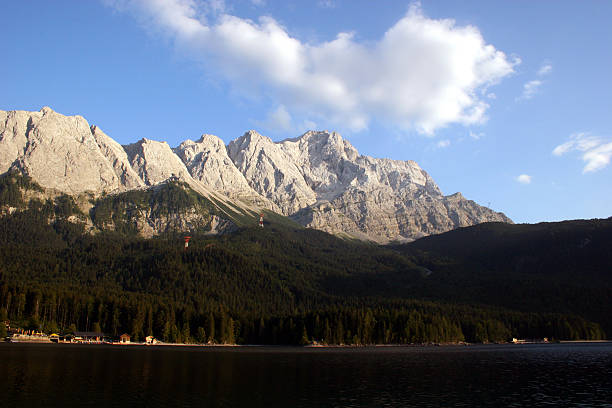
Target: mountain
{"points": [[58, 152], [270, 172], [208, 162], [318, 179], [380, 199], [117, 156]]}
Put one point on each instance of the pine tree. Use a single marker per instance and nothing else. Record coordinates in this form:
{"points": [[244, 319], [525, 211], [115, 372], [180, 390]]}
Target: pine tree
{"points": [[201, 335]]}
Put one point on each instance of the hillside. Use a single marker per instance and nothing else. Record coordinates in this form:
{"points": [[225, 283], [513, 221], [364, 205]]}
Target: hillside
{"points": [[284, 284], [562, 267]]}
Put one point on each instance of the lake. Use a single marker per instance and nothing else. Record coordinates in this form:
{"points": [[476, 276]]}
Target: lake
{"points": [[56, 375]]}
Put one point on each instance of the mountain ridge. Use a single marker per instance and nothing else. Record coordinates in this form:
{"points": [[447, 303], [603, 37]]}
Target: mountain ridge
{"points": [[318, 179]]}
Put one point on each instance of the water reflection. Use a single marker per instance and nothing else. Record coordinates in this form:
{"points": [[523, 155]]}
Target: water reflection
{"points": [[526, 375]]}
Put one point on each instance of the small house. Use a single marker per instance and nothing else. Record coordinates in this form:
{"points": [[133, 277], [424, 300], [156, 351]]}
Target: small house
{"points": [[150, 340], [124, 338], [88, 337]]}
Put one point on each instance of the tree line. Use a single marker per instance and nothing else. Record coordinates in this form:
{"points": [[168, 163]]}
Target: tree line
{"points": [[277, 285], [55, 308]]}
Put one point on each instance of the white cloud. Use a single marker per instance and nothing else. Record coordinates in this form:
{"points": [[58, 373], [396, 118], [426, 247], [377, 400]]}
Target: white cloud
{"points": [[476, 136], [278, 120], [326, 3], [595, 151], [545, 69], [524, 179], [422, 74], [308, 125], [530, 89], [443, 143]]}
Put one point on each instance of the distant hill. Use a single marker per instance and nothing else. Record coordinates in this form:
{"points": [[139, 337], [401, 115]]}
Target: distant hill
{"points": [[561, 266]]}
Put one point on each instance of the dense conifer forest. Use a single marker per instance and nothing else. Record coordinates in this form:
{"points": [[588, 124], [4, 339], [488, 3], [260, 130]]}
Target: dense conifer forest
{"points": [[288, 285]]}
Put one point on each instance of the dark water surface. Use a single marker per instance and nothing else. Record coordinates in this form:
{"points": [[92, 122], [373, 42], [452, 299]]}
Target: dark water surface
{"points": [[124, 376]]}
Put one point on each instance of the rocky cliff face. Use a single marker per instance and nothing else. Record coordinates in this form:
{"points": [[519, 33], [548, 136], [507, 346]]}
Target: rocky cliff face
{"points": [[57, 151], [154, 162], [208, 162], [318, 179], [270, 172], [118, 159], [322, 182]]}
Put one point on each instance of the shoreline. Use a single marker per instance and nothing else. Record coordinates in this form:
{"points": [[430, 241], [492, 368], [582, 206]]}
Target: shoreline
{"points": [[308, 346]]}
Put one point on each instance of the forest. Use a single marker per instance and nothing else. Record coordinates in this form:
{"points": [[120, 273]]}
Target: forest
{"points": [[283, 284]]}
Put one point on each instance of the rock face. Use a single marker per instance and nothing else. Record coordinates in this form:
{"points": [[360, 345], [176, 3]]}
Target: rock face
{"points": [[57, 151], [318, 179], [155, 162], [118, 159], [271, 172], [339, 191], [208, 162]]}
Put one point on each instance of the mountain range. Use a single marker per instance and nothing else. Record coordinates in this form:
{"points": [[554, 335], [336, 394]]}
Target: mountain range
{"points": [[92, 238], [319, 179]]}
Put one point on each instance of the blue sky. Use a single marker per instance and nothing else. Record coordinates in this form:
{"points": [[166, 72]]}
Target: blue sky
{"points": [[507, 102]]}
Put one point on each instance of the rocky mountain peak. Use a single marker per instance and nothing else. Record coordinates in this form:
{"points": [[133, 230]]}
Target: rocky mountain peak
{"points": [[251, 141], [323, 145], [155, 162], [211, 140], [57, 151], [270, 171], [208, 162], [118, 159]]}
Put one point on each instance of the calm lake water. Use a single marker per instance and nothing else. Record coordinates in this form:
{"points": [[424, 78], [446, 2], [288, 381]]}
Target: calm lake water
{"points": [[49, 375]]}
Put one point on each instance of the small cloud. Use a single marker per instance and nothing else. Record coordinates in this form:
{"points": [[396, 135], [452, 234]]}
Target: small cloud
{"points": [[308, 125], [524, 179], [258, 2], [443, 143], [596, 151], [491, 95], [278, 120], [530, 89], [476, 136], [545, 69], [327, 3]]}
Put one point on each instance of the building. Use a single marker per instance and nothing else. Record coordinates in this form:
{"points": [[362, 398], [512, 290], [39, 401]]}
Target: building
{"points": [[124, 338], [88, 337]]}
